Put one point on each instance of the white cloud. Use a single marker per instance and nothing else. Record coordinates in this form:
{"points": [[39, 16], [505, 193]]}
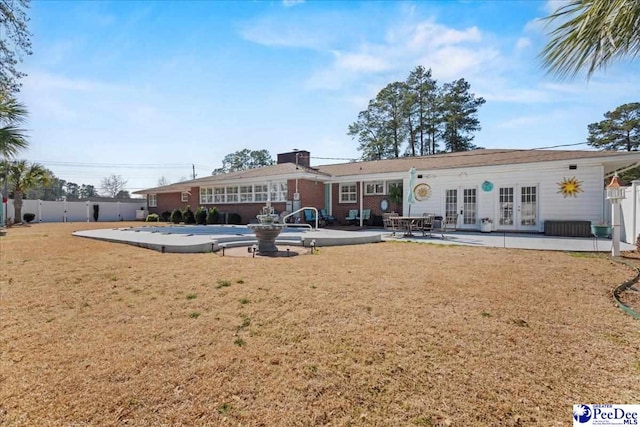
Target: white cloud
{"points": [[47, 82], [291, 3], [360, 62], [523, 43], [450, 52], [553, 5]]}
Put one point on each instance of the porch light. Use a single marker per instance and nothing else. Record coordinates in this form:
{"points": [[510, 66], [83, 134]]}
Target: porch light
{"points": [[615, 193]]}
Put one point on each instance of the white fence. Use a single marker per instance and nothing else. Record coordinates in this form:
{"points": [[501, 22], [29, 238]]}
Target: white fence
{"points": [[46, 211], [630, 227]]}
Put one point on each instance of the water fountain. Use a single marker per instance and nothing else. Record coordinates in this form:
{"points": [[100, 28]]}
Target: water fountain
{"points": [[267, 229]]}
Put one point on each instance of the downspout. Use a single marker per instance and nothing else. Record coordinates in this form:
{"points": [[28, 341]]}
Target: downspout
{"points": [[635, 186], [361, 203]]}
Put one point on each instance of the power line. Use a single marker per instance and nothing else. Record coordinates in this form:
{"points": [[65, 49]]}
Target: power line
{"points": [[116, 165]]}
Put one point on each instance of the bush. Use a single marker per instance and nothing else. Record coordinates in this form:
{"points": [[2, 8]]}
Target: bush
{"points": [[176, 216], [213, 217], [153, 218], [188, 217], [28, 217], [201, 216], [234, 218], [166, 216]]}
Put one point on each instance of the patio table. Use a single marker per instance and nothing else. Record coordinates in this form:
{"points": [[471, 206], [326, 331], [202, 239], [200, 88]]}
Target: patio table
{"points": [[410, 223]]}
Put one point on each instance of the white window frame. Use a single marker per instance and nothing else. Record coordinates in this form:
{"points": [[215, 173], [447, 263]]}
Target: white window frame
{"points": [[232, 193], [246, 193], [261, 192], [352, 193], [184, 196], [390, 184], [374, 188], [218, 195], [152, 201], [206, 195]]}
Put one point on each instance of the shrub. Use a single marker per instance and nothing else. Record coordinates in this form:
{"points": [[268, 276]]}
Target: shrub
{"points": [[166, 216], [201, 216], [188, 217], [153, 218], [234, 218], [213, 217], [28, 217], [176, 216]]}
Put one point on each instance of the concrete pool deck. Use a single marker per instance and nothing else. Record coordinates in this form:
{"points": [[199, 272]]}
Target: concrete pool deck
{"points": [[199, 243]]}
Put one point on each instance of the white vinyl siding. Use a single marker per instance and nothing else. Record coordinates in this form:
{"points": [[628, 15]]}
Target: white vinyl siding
{"points": [[539, 183]]}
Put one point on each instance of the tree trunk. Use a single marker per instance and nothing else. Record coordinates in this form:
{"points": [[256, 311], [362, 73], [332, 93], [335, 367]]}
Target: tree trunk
{"points": [[17, 207]]}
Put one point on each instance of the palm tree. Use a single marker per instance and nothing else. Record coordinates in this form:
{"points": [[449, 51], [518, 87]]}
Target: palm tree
{"points": [[12, 137], [591, 34], [21, 177]]}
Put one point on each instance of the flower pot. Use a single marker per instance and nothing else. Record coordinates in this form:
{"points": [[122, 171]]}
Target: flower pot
{"points": [[485, 227], [601, 230]]}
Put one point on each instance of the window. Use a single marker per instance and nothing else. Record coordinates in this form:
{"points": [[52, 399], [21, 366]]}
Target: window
{"points": [[152, 200], [348, 193], [185, 196], [206, 195], [232, 194], [261, 193], [392, 185], [246, 193], [373, 188], [218, 195], [278, 191]]}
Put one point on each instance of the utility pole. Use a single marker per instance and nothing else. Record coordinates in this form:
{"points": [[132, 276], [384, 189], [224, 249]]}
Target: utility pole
{"points": [[193, 167]]}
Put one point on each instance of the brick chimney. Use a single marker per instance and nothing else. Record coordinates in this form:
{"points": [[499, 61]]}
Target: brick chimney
{"points": [[298, 157]]}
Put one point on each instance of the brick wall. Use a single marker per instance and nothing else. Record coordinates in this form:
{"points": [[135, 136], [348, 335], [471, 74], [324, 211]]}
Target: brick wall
{"points": [[341, 210], [311, 192], [247, 211]]}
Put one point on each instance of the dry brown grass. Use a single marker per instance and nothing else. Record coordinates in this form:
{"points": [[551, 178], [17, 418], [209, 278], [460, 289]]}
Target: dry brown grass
{"points": [[389, 334]]}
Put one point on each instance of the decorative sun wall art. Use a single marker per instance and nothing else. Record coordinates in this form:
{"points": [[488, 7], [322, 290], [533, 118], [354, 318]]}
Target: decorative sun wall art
{"points": [[570, 187], [422, 192]]}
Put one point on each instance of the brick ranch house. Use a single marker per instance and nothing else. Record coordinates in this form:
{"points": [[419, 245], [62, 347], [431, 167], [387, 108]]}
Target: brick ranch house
{"points": [[517, 189]]}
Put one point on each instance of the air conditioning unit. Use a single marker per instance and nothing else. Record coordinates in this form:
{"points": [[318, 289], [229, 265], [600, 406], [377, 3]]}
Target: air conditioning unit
{"points": [[296, 196]]}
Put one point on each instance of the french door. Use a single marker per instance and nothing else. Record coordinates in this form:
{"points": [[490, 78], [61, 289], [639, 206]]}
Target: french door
{"points": [[462, 202], [518, 208]]}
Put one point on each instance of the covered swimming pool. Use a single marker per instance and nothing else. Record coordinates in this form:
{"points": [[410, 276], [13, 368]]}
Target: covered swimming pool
{"points": [[212, 238], [211, 230]]}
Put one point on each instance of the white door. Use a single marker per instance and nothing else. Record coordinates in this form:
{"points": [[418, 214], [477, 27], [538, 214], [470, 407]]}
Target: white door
{"points": [[464, 203], [518, 208]]}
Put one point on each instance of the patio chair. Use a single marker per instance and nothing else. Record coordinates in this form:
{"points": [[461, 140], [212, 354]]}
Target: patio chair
{"points": [[353, 215], [449, 223], [427, 224], [366, 216], [390, 222], [328, 219], [309, 216]]}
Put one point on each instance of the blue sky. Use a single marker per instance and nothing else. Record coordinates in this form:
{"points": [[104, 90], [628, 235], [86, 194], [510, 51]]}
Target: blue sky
{"points": [[147, 89]]}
